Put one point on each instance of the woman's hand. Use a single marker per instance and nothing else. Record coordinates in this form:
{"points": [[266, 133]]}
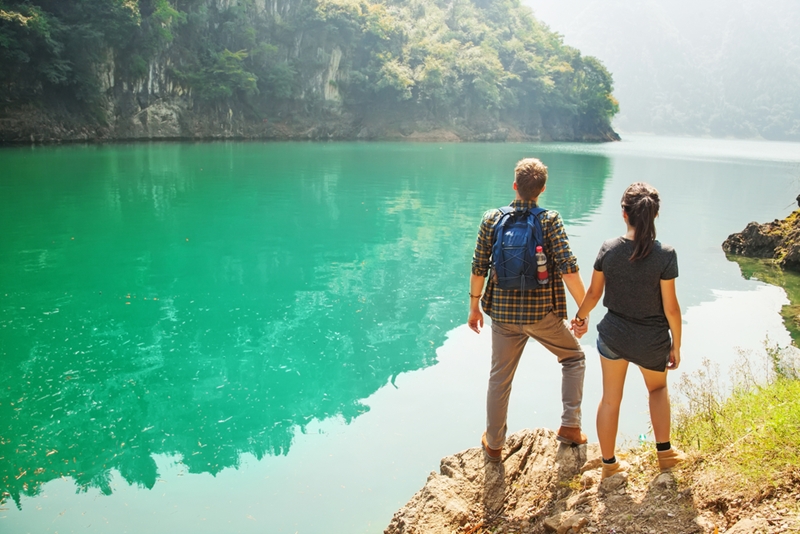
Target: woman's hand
{"points": [[673, 312], [674, 358], [588, 302]]}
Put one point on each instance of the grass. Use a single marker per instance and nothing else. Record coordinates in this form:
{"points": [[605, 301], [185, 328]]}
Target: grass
{"points": [[752, 435]]}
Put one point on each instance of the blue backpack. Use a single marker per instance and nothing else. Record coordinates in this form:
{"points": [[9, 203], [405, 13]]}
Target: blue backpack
{"points": [[516, 235]]}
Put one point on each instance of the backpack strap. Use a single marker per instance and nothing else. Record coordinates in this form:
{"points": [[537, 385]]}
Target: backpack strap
{"points": [[536, 225], [505, 212]]}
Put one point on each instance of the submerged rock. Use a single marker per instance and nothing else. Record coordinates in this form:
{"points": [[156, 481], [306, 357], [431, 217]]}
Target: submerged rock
{"points": [[778, 240], [470, 491]]}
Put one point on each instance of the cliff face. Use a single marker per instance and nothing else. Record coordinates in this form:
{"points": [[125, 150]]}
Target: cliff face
{"points": [[293, 69]]}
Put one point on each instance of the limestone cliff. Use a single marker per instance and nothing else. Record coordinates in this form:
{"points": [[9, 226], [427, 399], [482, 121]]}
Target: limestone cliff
{"points": [[294, 69]]}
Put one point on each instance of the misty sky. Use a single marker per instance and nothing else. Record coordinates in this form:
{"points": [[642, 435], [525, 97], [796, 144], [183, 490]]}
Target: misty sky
{"points": [[703, 67]]}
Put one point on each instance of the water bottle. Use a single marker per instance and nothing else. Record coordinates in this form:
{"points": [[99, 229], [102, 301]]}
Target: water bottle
{"points": [[541, 266]]}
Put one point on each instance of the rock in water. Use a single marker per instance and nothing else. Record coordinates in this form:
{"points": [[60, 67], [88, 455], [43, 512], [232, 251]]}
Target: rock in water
{"points": [[778, 240], [470, 490], [755, 241]]}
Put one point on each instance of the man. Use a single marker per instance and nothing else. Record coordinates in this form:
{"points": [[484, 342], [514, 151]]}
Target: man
{"points": [[539, 313]]}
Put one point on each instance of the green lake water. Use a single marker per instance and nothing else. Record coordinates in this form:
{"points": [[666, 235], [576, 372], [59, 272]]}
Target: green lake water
{"points": [[269, 337]]}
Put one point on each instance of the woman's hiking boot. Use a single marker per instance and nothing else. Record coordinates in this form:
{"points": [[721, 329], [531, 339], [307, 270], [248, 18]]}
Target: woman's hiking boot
{"points": [[610, 470], [670, 458]]}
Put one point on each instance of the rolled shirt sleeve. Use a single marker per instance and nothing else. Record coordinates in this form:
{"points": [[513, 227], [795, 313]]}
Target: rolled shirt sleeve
{"points": [[483, 248]]}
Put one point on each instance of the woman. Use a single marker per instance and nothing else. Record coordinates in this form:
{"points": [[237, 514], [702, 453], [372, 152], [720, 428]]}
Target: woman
{"points": [[638, 274]]}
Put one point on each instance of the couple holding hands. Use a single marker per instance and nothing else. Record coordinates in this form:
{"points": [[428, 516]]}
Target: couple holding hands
{"points": [[643, 324]]}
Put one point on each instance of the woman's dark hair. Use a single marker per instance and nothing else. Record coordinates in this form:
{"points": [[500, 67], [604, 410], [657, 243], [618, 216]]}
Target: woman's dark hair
{"points": [[640, 202]]}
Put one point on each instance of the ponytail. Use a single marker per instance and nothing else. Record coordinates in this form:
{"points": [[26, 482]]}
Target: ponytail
{"points": [[640, 202]]}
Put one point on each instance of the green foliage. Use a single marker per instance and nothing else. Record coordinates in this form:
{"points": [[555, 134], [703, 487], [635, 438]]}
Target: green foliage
{"points": [[27, 39], [481, 61], [50, 47], [753, 434], [223, 78], [276, 77], [466, 58]]}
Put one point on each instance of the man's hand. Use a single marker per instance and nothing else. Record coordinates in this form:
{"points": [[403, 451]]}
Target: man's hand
{"points": [[579, 328], [475, 321]]}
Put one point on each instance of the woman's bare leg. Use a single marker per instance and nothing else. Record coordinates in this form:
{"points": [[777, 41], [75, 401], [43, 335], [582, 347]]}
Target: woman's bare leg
{"points": [[608, 412], [656, 383]]}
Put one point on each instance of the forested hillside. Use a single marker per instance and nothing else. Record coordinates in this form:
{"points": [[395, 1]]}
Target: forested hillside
{"points": [[470, 69], [715, 67]]}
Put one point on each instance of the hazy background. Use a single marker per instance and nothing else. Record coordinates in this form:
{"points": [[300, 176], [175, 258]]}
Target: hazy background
{"points": [[725, 68]]}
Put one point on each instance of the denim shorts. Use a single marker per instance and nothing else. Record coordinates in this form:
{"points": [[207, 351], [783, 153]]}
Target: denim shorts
{"points": [[606, 352], [657, 364]]}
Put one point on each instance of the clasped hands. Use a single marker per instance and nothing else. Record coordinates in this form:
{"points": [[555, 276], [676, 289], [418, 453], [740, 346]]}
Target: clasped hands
{"points": [[475, 323], [579, 327]]}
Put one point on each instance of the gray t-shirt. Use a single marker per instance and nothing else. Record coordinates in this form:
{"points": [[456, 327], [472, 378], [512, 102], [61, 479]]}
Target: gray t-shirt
{"points": [[635, 326]]}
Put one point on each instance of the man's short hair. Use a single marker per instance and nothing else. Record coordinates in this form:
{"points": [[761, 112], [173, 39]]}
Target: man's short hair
{"points": [[530, 176]]}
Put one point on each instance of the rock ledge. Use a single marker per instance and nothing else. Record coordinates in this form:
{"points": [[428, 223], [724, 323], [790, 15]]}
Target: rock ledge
{"points": [[778, 240], [545, 487], [470, 492]]}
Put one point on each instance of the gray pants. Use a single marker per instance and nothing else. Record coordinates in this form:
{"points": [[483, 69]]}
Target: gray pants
{"points": [[508, 342]]}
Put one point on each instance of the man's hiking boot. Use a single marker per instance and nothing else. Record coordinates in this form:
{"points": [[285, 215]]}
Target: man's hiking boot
{"points": [[571, 435], [491, 455], [670, 458], [610, 470]]}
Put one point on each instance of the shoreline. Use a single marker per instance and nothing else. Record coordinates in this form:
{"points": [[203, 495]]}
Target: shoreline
{"points": [[446, 136]]}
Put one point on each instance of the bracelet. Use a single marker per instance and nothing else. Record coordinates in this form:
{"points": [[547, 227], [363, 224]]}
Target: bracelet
{"points": [[474, 296]]}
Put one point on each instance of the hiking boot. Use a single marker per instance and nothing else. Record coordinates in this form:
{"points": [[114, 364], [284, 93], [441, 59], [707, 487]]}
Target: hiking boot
{"points": [[491, 455], [609, 470], [571, 435], [670, 458]]}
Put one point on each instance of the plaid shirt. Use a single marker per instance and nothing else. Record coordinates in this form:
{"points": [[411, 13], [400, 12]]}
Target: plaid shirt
{"points": [[530, 306]]}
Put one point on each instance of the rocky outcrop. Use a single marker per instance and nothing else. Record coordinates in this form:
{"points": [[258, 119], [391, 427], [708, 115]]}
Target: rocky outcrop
{"points": [[544, 487], [469, 492], [778, 240]]}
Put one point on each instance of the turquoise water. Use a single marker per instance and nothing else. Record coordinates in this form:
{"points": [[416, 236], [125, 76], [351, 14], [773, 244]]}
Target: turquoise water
{"points": [[249, 337]]}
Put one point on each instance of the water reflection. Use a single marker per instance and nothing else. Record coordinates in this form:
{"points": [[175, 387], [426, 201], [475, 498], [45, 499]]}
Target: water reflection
{"points": [[574, 191], [206, 301], [767, 271]]}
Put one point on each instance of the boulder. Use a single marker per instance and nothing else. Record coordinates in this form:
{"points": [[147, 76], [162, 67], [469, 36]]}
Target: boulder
{"points": [[160, 120], [755, 241], [778, 240]]}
